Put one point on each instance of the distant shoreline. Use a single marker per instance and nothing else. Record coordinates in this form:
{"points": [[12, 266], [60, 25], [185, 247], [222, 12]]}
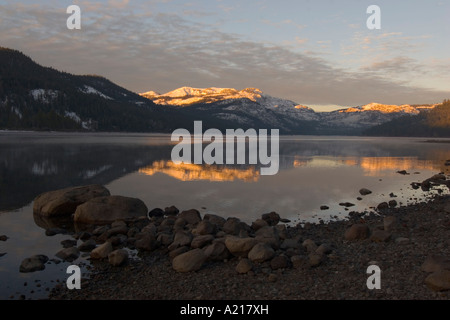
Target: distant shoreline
{"points": [[284, 136]]}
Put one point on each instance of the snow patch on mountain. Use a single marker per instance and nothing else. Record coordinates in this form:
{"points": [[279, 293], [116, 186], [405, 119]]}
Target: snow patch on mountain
{"points": [[17, 112], [43, 95], [73, 116], [91, 90]]}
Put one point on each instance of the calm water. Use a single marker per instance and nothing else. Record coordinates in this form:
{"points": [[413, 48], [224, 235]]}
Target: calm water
{"points": [[314, 171]]}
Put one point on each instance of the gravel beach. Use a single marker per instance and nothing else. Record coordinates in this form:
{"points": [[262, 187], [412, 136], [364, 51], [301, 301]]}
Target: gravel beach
{"points": [[410, 245]]}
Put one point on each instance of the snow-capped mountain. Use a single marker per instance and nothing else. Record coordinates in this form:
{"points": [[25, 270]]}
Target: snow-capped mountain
{"points": [[250, 106], [42, 98]]}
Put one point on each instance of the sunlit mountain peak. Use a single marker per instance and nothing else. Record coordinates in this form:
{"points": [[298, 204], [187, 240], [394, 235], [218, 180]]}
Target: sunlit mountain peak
{"points": [[187, 95], [384, 108]]}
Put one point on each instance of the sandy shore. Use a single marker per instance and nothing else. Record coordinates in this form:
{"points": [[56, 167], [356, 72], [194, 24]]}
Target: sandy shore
{"points": [[399, 246]]}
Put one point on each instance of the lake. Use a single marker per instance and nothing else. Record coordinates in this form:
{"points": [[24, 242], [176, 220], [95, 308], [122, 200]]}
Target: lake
{"points": [[313, 172]]}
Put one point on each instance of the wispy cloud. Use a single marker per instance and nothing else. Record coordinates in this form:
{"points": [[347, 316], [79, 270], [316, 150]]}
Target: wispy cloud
{"points": [[143, 49]]}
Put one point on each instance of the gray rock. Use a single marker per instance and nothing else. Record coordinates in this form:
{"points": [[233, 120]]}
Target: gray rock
{"points": [[179, 224], [217, 251], [181, 239], [269, 235], [189, 261], [167, 225], [215, 219], [33, 263], [297, 261], [69, 254], [118, 223], [165, 238], [346, 204], [64, 202], [261, 252], [100, 230], [191, 216], [205, 227], [282, 231], [54, 231], [439, 281], [150, 229], [147, 242], [234, 226], [239, 247], [258, 224], [271, 218], [380, 236], [315, 259], [132, 232], [118, 240], [201, 241], [434, 263], [171, 211], [279, 262], [115, 230], [178, 251], [401, 240], [392, 203], [364, 192], [221, 234], [324, 249], [87, 246], [118, 257], [324, 207], [290, 244], [68, 243], [157, 212], [383, 206], [244, 266], [3, 238], [108, 209], [84, 236], [102, 251], [357, 232], [309, 245]]}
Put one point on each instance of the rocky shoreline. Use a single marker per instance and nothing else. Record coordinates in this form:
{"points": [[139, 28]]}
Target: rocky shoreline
{"points": [[182, 255]]}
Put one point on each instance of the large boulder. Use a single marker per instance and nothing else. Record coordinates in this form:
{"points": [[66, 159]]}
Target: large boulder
{"points": [[240, 247], [64, 202], [271, 218], [439, 281], [191, 216], [34, 263], [189, 261], [357, 231], [102, 251], [261, 252], [268, 235], [104, 210], [217, 251], [69, 254], [118, 257], [435, 263]]}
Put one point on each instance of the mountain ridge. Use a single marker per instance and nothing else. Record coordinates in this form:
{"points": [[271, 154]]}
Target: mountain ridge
{"points": [[42, 98]]}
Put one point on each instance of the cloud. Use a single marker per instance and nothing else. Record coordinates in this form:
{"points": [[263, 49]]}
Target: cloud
{"points": [[119, 4], [144, 50], [400, 64]]}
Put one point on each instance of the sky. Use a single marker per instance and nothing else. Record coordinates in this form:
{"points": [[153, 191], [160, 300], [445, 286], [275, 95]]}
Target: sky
{"points": [[316, 53]]}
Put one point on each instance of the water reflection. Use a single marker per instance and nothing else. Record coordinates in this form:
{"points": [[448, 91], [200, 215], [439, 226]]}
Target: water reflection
{"points": [[193, 172], [32, 163]]}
